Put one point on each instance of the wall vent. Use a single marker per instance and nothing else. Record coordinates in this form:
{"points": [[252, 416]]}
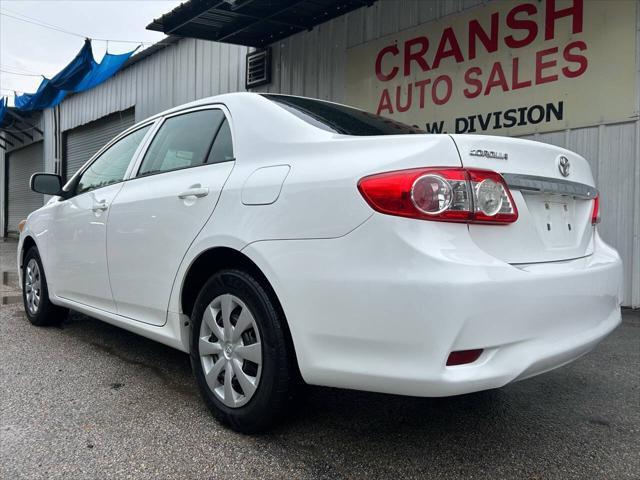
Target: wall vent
{"points": [[258, 68]]}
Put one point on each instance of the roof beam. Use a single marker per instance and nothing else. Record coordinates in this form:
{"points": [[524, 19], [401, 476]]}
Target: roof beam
{"points": [[171, 30], [4, 139], [18, 130], [254, 17], [260, 20], [12, 135], [22, 120], [250, 22]]}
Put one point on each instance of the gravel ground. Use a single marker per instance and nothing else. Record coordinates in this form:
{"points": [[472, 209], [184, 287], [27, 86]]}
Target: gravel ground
{"points": [[88, 400]]}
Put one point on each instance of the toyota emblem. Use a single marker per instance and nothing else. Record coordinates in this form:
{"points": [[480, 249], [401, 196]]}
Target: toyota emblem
{"points": [[564, 166]]}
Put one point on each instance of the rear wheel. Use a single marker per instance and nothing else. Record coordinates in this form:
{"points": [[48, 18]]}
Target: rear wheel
{"points": [[239, 352], [35, 294]]}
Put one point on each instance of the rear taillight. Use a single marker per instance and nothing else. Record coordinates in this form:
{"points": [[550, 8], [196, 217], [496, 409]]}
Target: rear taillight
{"points": [[595, 214], [443, 194]]}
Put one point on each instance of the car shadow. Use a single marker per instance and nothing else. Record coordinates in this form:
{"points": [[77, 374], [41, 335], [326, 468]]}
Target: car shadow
{"points": [[331, 431]]}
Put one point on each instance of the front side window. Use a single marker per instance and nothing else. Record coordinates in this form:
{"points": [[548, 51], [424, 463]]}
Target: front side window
{"points": [[185, 141], [110, 167]]}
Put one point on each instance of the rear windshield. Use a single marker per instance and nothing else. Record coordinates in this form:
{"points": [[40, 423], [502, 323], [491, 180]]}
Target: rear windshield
{"points": [[340, 119]]}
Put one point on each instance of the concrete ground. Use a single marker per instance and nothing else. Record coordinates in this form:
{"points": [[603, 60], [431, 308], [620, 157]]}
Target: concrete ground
{"points": [[91, 401]]}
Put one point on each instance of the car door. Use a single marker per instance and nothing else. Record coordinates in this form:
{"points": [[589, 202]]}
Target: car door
{"points": [[160, 210], [79, 231]]}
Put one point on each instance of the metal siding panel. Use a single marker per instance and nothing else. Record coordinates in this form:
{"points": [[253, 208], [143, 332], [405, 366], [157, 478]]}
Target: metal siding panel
{"points": [[83, 142], [428, 11], [297, 65], [409, 13], [355, 27], [471, 3], [339, 56], [615, 174], [325, 60], [635, 261], [310, 40], [3, 186], [22, 201], [610, 151], [49, 147], [233, 69], [224, 68], [184, 84], [448, 7], [553, 138], [274, 85], [286, 76], [203, 52], [635, 230], [584, 141], [214, 73], [388, 17]]}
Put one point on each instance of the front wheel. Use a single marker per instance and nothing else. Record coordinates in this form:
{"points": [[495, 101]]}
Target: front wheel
{"points": [[35, 293], [240, 355]]}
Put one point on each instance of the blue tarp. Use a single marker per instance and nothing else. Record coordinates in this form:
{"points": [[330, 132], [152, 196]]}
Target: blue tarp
{"points": [[3, 108], [81, 74]]}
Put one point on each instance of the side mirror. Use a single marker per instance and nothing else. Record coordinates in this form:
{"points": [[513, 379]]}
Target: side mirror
{"points": [[47, 183]]}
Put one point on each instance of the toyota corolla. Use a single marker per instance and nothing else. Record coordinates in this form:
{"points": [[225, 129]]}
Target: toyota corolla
{"points": [[278, 238]]}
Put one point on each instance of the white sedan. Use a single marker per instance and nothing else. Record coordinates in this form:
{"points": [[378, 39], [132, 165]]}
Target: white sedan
{"points": [[277, 238]]}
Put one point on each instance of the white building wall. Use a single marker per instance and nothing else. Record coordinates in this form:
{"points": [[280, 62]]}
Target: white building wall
{"points": [[314, 64]]}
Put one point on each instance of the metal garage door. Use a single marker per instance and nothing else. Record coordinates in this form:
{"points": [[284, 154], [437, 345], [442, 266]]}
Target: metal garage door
{"points": [[81, 143], [21, 201]]}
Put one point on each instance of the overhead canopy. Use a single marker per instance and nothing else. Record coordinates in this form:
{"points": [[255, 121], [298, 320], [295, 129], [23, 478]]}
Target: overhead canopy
{"points": [[254, 23], [17, 128]]}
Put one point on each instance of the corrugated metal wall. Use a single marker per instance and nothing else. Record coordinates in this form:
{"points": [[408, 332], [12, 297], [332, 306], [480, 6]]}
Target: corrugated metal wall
{"points": [[613, 150], [23, 163], [182, 72], [82, 143], [38, 120]]}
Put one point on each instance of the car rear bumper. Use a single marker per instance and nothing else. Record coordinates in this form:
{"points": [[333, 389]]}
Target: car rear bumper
{"points": [[382, 308]]}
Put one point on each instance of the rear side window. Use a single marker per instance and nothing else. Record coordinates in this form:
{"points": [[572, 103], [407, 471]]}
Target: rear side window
{"points": [[183, 141], [222, 149], [339, 118]]}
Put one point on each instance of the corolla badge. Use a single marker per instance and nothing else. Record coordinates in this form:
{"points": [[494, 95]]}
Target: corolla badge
{"points": [[564, 166], [479, 152]]}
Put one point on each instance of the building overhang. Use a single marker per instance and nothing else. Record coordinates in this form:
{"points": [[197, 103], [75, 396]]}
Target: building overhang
{"points": [[19, 128], [254, 23]]}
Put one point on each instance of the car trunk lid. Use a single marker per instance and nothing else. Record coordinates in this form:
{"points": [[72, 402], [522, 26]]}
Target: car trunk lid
{"points": [[553, 189]]}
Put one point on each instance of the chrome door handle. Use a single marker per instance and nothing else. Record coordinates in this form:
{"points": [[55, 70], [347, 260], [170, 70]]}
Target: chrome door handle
{"points": [[100, 207], [194, 192]]}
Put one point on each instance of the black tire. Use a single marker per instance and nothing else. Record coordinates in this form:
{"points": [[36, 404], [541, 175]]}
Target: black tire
{"points": [[269, 402], [47, 313]]}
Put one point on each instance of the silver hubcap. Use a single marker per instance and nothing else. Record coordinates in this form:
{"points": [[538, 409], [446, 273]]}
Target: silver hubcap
{"points": [[230, 350], [32, 287]]}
